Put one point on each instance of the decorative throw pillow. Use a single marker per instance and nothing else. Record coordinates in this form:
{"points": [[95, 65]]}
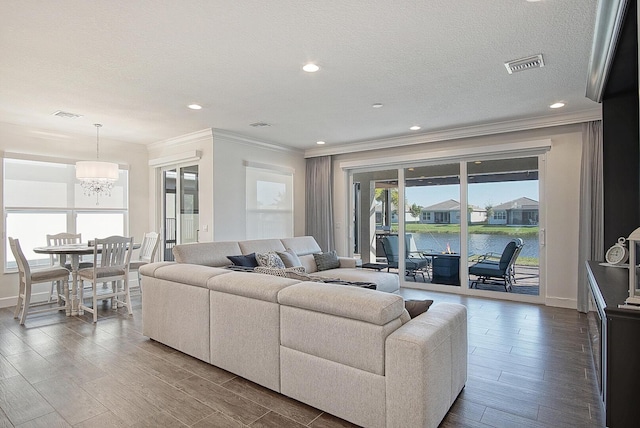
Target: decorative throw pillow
{"points": [[270, 259], [248, 260], [326, 261], [289, 258], [417, 307]]}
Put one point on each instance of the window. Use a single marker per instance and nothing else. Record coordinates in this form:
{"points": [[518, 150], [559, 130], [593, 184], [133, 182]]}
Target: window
{"points": [[269, 202], [44, 197], [500, 215]]}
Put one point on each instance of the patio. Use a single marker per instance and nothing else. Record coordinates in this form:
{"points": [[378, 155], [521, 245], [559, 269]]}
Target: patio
{"points": [[527, 281]]}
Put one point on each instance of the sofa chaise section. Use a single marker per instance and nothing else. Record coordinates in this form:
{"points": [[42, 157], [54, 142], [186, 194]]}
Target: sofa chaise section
{"points": [[354, 353]]}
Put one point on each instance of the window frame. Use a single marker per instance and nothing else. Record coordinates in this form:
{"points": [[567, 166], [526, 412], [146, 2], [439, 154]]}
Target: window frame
{"points": [[71, 212]]}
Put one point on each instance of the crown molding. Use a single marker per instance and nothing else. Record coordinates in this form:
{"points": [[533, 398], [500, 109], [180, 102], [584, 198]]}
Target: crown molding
{"points": [[459, 133], [230, 137], [609, 21], [205, 134]]}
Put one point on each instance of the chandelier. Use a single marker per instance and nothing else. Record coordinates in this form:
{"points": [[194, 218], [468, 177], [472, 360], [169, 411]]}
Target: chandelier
{"points": [[97, 178]]}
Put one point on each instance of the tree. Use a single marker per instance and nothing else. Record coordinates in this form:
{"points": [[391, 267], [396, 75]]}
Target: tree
{"points": [[415, 210], [489, 209]]}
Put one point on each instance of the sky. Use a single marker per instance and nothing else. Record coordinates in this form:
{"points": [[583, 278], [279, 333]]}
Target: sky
{"points": [[481, 194]]}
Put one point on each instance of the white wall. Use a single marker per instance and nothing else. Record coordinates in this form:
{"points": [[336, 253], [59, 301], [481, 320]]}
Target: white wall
{"points": [[39, 142], [562, 189], [222, 179], [230, 153]]}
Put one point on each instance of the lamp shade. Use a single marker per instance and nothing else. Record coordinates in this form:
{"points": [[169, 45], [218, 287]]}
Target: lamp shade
{"points": [[95, 170]]}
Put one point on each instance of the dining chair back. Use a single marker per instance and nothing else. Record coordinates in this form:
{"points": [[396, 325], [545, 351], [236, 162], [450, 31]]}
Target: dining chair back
{"points": [[147, 254], [57, 239], [27, 278], [111, 257]]}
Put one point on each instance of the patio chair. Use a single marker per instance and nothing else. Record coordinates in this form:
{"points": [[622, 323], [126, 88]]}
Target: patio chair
{"points": [[494, 258], [413, 265], [487, 269]]}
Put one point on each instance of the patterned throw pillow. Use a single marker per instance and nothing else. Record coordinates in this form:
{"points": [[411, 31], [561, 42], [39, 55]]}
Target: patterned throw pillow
{"points": [[326, 261], [289, 258], [270, 259]]}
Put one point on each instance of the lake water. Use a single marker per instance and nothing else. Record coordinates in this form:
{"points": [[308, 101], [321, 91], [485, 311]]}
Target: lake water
{"points": [[478, 243]]}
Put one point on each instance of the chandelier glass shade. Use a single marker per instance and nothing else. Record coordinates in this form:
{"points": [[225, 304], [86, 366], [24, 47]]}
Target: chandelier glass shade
{"points": [[97, 178]]}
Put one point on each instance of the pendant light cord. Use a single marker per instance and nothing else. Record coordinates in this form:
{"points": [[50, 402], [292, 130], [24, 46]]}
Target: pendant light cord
{"points": [[97, 125]]}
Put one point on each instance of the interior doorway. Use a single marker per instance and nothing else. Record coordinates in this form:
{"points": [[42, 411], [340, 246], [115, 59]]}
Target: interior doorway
{"points": [[180, 207]]}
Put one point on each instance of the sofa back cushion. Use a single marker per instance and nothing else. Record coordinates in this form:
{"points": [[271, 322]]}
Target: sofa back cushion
{"points": [[302, 245], [340, 323], [207, 253], [261, 246]]}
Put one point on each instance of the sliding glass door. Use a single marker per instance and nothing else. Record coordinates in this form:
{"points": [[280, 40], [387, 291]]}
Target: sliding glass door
{"points": [[432, 222], [449, 217], [504, 209]]}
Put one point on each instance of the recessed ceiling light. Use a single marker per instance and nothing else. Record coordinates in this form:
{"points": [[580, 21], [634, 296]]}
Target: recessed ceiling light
{"points": [[376, 105], [194, 106], [411, 169], [477, 162], [310, 68], [556, 105], [414, 128], [320, 142]]}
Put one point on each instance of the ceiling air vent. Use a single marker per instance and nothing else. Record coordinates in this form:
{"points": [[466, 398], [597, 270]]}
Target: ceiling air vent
{"points": [[66, 114], [259, 124], [523, 64]]}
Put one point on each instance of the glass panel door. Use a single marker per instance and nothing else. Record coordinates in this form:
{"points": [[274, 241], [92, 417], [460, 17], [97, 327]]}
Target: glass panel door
{"points": [[432, 223], [180, 207], [503, 220], [375, 216]]}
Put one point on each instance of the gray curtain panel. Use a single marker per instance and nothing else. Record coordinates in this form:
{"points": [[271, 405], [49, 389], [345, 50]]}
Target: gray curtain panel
{"points": [[319, 201], [591, 238]]}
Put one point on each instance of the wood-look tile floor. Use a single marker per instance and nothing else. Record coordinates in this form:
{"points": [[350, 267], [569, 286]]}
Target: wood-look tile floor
{"points": [[529, 366]]}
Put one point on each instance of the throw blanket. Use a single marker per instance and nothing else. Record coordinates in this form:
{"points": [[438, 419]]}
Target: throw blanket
{"points": [[300, 274]]}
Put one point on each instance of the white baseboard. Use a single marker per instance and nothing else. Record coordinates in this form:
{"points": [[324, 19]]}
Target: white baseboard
{"points": [[562, 302]]}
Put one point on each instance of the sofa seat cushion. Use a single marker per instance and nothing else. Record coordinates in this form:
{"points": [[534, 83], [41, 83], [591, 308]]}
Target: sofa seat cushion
{"points": [[184, 273], [253, 285], [387, 282], [343, 301]]}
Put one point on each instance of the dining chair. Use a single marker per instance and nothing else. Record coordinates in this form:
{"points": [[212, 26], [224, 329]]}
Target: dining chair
{"points": [[147, 254], [111, 257], [63, 238], [27, 278]]}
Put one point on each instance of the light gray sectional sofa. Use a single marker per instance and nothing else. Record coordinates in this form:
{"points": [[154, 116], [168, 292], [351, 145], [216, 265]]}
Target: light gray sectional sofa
{"points": [[350, 351], [215, 254]]}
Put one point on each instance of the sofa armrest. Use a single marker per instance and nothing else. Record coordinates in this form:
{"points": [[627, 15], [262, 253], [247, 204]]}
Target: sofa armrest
{"points": [[347, 262], [426, 366]]}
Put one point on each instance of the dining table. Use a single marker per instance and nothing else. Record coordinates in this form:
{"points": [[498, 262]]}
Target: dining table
{"points": [[75, 252]]}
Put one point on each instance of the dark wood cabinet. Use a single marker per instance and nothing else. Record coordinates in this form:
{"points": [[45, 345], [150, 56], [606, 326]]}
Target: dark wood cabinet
{"points": [[615, 344]]}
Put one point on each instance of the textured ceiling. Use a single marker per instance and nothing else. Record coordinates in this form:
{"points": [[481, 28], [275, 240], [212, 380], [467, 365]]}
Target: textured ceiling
{"points": [[135, 65]]}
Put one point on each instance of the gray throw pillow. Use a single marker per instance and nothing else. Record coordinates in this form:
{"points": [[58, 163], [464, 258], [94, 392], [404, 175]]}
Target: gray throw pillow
{"points": [[270, 260], [325, 261], [289, 258], [417, 307]]}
